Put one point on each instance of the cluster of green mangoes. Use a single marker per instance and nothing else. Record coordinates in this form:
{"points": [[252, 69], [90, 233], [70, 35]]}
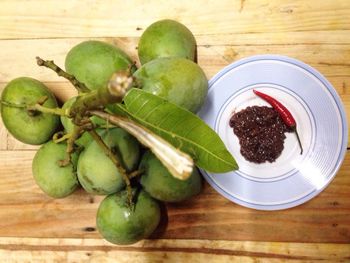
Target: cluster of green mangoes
{"points": [[167, 52]]}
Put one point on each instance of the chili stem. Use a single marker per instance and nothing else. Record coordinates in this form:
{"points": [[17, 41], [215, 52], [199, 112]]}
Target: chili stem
{"points": [[299, 141]]}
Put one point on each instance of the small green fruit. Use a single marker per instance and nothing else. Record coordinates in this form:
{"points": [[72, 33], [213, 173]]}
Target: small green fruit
{"points": [[55, 180], [161, 185], [166, 38], [97, 173], [122, 225], [31, 128], [177, 80], [94, 62]]}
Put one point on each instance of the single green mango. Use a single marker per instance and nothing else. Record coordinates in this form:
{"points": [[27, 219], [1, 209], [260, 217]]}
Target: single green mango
{"points": [[94, 62], [166, 38], [161, 185], [96, 172], [55, 180], [27, 127], [122, 225], [177, 80]]}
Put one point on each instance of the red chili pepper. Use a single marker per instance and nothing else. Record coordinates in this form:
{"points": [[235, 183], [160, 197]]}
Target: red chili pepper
{"points": [[285, 114]]}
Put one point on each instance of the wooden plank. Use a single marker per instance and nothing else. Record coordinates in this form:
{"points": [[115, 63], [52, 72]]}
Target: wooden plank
{"points": [[330, 59], [19, 58], [3, 136], [26, 212], [335, 37], [98, 250], [28, 19], [120, 257]]}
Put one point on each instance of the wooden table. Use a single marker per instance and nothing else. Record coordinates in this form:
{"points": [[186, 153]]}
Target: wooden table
{"points": [[35, 228]]}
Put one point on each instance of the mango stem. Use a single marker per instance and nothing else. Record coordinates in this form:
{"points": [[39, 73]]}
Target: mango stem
{"points": [[115, 161], [76, 133], [36, 108], [60, 72], [39, 108]]}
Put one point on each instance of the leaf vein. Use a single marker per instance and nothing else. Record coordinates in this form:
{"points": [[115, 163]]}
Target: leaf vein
{"points": [[183, 138]]}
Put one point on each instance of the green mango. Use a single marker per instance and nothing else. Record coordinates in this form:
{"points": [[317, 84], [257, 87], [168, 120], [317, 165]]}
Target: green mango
{"points": [[161, 185], [166, 38], [122, 225], [55, 180], [177, 80], [96, 172], [94, 62], [28, 128]]}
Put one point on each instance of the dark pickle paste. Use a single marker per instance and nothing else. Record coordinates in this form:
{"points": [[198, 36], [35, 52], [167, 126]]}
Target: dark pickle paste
{"points": [[261, 133]]}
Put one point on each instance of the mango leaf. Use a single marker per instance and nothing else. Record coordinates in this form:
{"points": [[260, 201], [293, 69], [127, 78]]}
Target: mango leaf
{"points": [[180, 127]]}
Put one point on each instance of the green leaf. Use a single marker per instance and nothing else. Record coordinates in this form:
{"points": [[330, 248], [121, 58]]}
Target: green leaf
{"points": [[180, 127]]}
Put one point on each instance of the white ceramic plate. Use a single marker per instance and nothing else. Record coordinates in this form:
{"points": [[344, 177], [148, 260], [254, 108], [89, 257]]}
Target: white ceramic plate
{"points": [[293, 178]]}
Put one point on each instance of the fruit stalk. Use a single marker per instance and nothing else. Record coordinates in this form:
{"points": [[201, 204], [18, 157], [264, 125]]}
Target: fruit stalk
{"points": [[78, 130], [115, 161], [178, 163], [114, 92], [61, 137], [35, 108], [40, 108], [60, 72]]}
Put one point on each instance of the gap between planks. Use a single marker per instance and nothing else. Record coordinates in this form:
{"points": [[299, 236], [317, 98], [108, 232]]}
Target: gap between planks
{"points": [[280, 250], [331, 37], [19, 19], [330, 60]]}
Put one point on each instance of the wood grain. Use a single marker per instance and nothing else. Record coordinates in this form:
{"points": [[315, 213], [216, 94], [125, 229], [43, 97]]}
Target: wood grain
{"points": [[36, 228], [332, 60], [129, 18], [52, 49], [3, 136], [181, 250], [74, 216]]}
